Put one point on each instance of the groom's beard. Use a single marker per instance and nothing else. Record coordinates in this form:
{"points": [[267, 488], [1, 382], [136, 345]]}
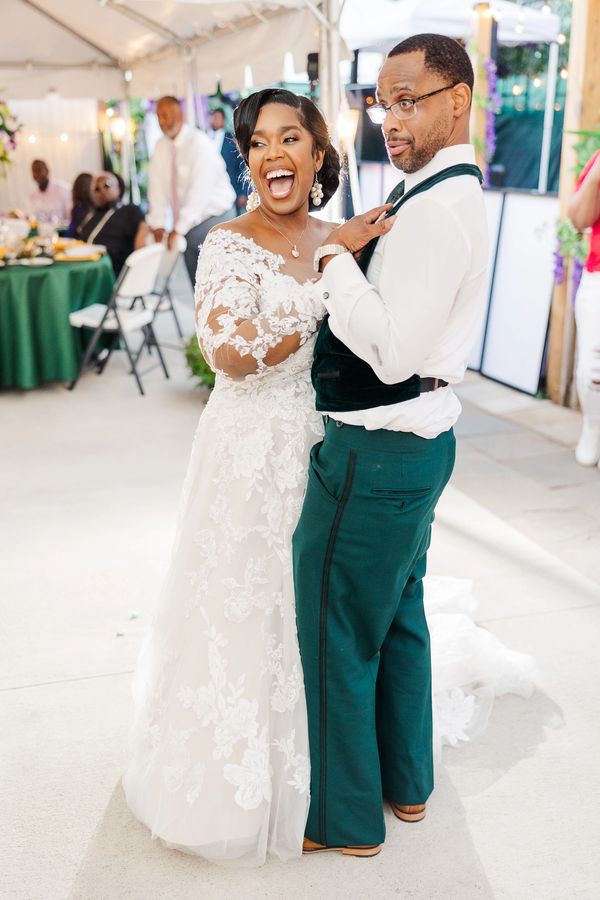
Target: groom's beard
{"points": [[417, 157]]}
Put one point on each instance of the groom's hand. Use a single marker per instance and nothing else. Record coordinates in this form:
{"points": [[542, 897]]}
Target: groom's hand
{"points": [[357, 233]]}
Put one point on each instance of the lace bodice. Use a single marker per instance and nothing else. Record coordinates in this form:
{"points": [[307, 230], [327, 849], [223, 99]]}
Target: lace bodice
{"points": [[246, 306]]}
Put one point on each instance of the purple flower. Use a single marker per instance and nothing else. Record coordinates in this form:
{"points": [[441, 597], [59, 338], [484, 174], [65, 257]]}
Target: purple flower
{"points": [[559, 265], [578, 267], [492, 107]]}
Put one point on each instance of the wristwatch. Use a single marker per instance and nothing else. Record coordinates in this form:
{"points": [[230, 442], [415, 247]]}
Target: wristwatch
{"points": [[327, 250]]}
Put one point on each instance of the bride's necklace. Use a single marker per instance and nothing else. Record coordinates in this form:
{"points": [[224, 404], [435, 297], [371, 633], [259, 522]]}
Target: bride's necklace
{"points": [[295, 251]]}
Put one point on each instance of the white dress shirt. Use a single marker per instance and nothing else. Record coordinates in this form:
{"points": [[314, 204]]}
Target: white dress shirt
{"points": [[203, 186], [55, 201], [217, 136], [422, 305]]}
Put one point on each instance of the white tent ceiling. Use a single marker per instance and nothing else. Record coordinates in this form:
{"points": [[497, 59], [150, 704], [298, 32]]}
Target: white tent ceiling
{"points": [[390, 20], [82, 47]]}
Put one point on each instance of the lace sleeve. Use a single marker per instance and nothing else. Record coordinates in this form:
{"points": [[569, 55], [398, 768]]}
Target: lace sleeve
{"points": [[247, 317]]}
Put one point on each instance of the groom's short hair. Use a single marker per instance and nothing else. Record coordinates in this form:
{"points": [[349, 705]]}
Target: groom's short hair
{"points": [[443, 55]]}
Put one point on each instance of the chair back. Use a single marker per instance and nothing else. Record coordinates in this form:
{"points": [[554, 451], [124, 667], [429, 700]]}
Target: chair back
{"points": [[140, 271], [169, 261]]}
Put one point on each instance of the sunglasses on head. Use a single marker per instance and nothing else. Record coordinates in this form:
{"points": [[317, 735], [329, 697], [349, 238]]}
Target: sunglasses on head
{"points": [[104, 185]]}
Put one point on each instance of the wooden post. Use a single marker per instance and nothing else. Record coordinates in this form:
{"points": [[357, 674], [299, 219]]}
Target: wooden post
{"points": [[481, 51], [582, 111]]}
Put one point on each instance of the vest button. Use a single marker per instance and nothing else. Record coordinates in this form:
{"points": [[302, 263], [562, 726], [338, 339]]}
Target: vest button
{"points": [[326, 295]]}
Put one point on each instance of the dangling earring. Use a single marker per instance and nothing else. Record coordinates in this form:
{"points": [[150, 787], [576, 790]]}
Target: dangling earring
{"points": [[253, 201], [316, 191]]}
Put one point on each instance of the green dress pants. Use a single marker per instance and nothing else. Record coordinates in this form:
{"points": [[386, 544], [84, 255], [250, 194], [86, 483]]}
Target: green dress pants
{"points": [[359, 559]]}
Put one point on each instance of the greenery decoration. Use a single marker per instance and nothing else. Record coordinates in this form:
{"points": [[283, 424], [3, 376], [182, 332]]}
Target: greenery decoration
{"points": [[197, 365]]}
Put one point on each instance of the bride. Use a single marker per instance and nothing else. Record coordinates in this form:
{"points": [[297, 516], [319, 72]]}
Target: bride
{"points": [[219, 762]]}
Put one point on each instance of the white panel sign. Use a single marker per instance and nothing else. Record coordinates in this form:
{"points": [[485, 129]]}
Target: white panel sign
{"points": [[493, 208], [522, 291]]}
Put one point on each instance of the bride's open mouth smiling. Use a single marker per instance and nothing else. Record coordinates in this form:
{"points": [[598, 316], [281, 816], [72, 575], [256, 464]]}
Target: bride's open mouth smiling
{"points": [[280, 183]]}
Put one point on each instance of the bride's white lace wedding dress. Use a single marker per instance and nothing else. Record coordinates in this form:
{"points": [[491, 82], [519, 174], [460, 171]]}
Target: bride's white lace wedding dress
{"points": [[219, 761]]}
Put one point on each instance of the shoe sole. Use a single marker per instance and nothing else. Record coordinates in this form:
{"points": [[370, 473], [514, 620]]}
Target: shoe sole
{"points": [[410, 817], [346, 851]]}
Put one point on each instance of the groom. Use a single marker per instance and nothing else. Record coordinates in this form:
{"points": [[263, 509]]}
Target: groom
{"points": [[396, 338]]}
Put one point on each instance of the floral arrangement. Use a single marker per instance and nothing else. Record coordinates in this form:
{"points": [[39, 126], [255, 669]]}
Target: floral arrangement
{"points": [[9, 126], [197, 365], [491, 103], [572, 245]]}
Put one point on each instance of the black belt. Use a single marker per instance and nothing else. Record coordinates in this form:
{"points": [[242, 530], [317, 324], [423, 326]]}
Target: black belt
{"points": [[432, 384]]}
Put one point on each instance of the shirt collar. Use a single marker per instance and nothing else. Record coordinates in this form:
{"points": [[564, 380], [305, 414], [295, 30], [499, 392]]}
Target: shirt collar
{"points": [[447, 156], [183, 132]]}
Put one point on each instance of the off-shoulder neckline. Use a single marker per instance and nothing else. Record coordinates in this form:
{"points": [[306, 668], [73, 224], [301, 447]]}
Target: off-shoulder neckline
{"points": [[281, 261]]}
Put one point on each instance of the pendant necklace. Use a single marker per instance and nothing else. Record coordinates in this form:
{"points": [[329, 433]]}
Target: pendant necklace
{"points": [[295, 251]]}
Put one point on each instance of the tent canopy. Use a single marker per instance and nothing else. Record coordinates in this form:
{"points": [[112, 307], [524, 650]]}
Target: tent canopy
{"points": [[392, 20], [84, 48]]}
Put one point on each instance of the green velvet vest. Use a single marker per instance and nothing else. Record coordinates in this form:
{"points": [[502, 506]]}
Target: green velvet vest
{"points": [[341, 379]]}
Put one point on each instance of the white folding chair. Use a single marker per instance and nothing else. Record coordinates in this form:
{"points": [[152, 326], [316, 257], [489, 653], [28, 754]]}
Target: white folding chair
{"points": [[160, 299], [136, 280]]}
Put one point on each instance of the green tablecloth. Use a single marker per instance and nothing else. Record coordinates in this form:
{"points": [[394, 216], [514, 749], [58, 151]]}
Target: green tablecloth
{"points": [[37, 343]]}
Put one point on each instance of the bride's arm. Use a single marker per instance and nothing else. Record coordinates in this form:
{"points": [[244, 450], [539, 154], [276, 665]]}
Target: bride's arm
{"points": [[250, 344], [236, 338]]}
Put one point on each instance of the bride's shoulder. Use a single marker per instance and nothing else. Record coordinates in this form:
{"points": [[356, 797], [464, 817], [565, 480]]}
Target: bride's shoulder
{"points": [[235, 233], [325, 228]]}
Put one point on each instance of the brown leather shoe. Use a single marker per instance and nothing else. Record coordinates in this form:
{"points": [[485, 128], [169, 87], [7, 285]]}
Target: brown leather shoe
{"points": [[368, 850], [409, 813]]}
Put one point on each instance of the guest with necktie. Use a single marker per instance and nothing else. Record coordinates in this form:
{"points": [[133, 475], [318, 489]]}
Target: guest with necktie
{"points": [[188, 187]]}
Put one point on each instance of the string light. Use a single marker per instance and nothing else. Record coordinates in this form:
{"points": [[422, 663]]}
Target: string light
{"points": [[561, 39], [546, 9], [564, 74], [537, 82], [517, 90], [64, 137], [32, 139]]}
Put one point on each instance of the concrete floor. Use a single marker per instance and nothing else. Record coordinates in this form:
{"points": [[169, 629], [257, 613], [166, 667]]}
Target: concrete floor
{"points": [[90, 482]]}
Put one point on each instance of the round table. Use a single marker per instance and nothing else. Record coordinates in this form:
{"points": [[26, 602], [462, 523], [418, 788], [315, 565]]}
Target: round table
{"points": [[37, 342]]}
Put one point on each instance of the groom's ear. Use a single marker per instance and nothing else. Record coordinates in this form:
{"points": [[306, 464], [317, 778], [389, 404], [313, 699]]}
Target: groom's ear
{"points": [[461, 99]]}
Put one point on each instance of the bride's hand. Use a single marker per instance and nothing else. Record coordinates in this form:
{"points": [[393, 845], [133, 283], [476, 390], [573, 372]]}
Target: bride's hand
{"points": [[357, 233]]}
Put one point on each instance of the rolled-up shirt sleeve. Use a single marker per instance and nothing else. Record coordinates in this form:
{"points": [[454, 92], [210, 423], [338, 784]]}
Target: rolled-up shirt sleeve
{"points": [[424, 260], [207, 172]]}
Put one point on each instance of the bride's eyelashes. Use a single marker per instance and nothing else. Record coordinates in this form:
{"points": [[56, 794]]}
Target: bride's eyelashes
{"points": [[290, 139]]}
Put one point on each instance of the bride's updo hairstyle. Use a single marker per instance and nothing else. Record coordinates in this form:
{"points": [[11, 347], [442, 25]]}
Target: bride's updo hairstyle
{"points": [[245, 118]]}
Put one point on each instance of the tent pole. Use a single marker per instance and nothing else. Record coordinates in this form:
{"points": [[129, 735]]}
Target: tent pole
{"points": [[128, 167], [332, 8], [548, 117], [190, 104]]}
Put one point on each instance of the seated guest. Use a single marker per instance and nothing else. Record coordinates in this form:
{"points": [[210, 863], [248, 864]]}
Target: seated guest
{"points": [[82, 202], [121, 229], [51, 199]]}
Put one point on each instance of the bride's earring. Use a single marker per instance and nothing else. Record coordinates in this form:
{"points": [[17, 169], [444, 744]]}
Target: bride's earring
{"points": [[316, 191], [253, 201]]}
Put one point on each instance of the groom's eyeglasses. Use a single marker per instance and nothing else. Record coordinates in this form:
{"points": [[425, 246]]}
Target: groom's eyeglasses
{"points": [[402, 109]]}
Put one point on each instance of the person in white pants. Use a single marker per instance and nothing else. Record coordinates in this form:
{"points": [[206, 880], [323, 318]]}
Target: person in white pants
{"points": [[584, 212]]}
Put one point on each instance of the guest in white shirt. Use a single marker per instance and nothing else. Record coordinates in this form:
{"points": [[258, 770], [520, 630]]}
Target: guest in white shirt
{"points": [[401, 326], [188, 187], [51, 199], [217, 127], [224, 141]]}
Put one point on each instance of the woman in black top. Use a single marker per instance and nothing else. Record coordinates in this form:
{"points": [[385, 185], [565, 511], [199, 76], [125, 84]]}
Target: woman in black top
{"points": [[82, 202], [121, 229]]}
